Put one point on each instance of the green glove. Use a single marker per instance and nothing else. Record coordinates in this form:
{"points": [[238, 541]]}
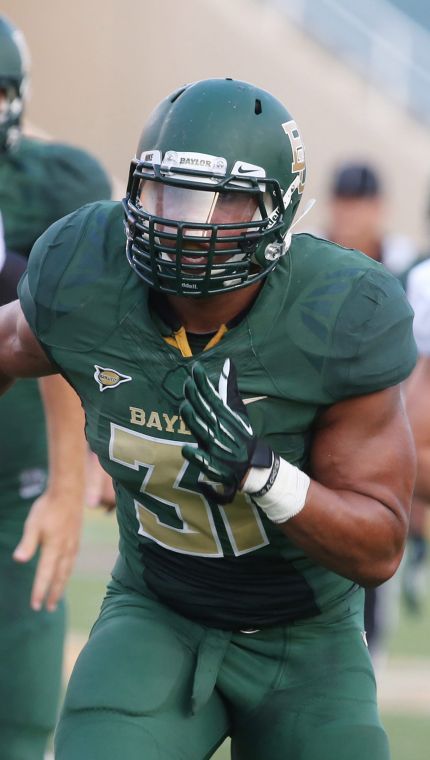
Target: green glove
{"points": [[227, 446]]}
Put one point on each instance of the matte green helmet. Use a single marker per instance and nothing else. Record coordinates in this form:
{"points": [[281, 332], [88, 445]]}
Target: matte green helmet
{"points": [[214, 188], [14, 63]]}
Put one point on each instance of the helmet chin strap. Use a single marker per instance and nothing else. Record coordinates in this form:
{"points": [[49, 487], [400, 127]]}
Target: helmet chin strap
{"points": [[276, 250], [288, 236]]}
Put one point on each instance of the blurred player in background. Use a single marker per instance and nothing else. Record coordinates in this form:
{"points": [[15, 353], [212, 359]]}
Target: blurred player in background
{"points": [[357, 208], [418, 405], [39, 183], [418, 386], [252, 504]]}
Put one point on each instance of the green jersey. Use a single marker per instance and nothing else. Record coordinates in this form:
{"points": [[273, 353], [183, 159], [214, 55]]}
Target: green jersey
{"points": [[42, 181], [23, 455], [328, 324], [39, 183]]}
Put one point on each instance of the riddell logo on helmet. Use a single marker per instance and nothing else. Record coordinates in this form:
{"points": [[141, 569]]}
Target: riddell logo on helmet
{"points": [[189, 285]]}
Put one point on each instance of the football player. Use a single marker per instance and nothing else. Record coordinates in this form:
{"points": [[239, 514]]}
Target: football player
{"points": [[356, 218], [241, 386], [418, 292], [39, 183], [418, 406]]}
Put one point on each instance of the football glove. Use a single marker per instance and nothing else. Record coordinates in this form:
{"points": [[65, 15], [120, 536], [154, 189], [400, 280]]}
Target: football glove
{"points": [[226, 445]]}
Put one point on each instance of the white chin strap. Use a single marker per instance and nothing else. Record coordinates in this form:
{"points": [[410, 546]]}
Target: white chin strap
{"points": [[288, 235], [274, 251]]}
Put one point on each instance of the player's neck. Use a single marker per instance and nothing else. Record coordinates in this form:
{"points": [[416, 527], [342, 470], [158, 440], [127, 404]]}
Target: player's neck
{"points": [[205, 315]]}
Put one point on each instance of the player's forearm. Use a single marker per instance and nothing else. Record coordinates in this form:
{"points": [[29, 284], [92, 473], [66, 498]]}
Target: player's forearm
{"points": [[350, 533], [21, 355], [66, 440], [7, 348]]}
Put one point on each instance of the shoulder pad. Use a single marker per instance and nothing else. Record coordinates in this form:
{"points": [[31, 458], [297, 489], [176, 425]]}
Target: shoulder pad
{"points": [[372, 344], [343, 320], [71, 292], [71, 177], [76, 177]]}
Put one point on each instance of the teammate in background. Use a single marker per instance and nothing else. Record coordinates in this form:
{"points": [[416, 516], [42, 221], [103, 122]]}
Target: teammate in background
{"points": [[414, 575], [39, 183], [357, 219], [250, 516], [418, 407], [418, 292]]}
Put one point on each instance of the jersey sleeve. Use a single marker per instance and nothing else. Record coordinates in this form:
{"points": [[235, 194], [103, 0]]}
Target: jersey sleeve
{"points": [[418, 292], [29, 292], [372, 342], [68, 277], [75, 179]]}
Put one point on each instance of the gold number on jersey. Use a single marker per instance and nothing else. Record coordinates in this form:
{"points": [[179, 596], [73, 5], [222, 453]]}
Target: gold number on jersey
{"points": [[190, 527]]}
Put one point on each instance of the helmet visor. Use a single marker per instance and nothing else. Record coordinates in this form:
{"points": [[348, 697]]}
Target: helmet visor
{"points": [[198, 207]]}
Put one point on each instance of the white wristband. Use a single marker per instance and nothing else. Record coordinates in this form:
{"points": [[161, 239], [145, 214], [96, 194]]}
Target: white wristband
{"points": [[286, 496]]}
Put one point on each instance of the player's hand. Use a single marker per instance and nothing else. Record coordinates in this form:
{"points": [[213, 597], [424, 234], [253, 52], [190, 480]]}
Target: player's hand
{"points": [[227, 446], [53, 525]]}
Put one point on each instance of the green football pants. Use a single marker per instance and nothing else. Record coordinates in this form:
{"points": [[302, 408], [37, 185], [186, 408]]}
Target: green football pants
{"points": [[31, 652], [151, 685]]}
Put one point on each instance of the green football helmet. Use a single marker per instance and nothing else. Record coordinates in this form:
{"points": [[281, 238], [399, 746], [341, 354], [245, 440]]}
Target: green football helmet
{"points": [[14, 63], [213, 190]]}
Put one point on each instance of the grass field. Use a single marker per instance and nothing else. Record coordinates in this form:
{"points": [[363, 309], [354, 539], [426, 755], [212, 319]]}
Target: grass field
{"points": [[406, 688]]}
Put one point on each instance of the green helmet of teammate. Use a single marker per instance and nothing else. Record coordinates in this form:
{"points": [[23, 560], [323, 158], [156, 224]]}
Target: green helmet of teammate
{"points": [[14, 61], [213, 190]]}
